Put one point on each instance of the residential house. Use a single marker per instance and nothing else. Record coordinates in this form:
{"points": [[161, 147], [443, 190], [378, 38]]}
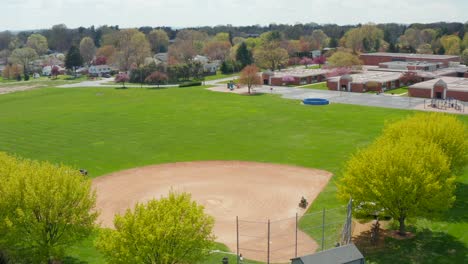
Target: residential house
{"points": [[99, 70], [47, 70]]}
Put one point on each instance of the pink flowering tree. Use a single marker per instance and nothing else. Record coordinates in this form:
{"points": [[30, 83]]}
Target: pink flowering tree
{"points": [[156, 78], [54, 71], [306, 61], [320, 60], [294, 61], [288, 79], [338, 71], [100, 60], [122, 78]]}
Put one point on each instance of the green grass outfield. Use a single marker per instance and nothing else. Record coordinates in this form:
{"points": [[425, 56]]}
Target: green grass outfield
{"points": [[106, 130]]}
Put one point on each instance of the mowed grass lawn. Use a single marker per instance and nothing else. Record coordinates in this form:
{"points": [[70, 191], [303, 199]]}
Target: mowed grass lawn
{"points": [[106, 130]]}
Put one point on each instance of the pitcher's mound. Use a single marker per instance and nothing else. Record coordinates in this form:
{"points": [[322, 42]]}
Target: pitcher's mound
{"points": [[255, 192]]}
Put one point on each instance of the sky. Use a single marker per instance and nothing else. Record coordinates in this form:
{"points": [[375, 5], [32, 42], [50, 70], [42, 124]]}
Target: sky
{"points": [[40, 14]]}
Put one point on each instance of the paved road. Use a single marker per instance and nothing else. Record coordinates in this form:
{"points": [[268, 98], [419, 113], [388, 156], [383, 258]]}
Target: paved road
{"points": [[382, 100], [104, 83], [387, 101]]}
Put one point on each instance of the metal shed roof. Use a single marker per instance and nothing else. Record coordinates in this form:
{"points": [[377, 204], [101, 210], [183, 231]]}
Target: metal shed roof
{"points": [[338, 255]]}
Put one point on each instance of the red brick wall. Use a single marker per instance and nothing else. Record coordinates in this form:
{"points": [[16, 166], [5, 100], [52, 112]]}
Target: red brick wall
{"points": [[423, 93], [376, 88], [374, 60], [462, 96], [332, 85], [397, 84], [357, 87], [276, 81]]}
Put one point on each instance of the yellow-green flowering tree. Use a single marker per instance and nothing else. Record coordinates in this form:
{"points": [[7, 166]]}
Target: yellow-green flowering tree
{"points": [[446, 131], [408, 177], [43, 209], [173, 229]]}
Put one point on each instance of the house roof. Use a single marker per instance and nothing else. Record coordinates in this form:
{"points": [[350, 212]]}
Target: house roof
{"points": [[338, 255], [105, 66], [161, 56], [453, 83], [412, 55]]}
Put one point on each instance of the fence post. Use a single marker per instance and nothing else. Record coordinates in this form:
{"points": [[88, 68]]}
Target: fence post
{"points": [[237, 232], [295, 251], [268, 250], [350, 219], [323, 229]]}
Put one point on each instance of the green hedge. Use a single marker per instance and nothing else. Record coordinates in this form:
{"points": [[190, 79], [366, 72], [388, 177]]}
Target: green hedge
{"points": [[189, 84]]}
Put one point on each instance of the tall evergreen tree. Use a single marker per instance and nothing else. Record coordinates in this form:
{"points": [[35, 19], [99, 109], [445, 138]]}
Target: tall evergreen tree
{"points": [[244, 55], [73, 59], [333, 43], [441, 50]]}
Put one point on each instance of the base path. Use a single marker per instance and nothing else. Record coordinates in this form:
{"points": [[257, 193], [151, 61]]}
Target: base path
{"points": [[253, 191]]}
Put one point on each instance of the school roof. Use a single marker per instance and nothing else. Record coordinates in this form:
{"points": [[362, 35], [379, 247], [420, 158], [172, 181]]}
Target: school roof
{"points": [[409, 63], [453, 83], [412, 55], [298, 72], [371, 76], [338, 255]]}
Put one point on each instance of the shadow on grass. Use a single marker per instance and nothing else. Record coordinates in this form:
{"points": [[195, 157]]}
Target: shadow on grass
{"points": [[425, 247], [72, 260], [459, 210], [121, 88], [158, 88], [253, 94]]}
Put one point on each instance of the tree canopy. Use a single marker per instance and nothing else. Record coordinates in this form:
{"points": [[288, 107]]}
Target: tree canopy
{"points": [[87, 49], [23, 56], [449, 133], [343, 59], [173, 229], [405, 178], [249, 77], [409, 170], [73, 58], [44, 208], [38, 43]]}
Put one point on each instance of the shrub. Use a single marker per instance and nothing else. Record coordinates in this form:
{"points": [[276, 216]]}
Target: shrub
{"points": [[173, 229], [190, 84]]}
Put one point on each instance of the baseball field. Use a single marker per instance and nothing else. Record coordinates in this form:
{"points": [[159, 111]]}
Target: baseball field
{"points": [[139, 143]]}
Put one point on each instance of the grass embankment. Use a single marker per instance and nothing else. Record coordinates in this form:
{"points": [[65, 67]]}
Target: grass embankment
{"points": [[397, 91], [42, 81], [220, 75], [106, 130], [316, 86]]}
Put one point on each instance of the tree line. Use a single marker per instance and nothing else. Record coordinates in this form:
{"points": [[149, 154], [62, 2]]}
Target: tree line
{"points": [[269, 47]]}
